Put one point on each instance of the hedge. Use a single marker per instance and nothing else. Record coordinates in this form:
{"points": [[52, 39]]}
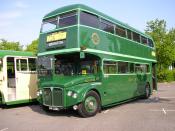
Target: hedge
{"points": [[166, 75]]}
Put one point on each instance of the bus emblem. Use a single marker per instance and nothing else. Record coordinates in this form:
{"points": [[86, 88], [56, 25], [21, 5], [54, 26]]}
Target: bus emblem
{"points": [[95, 38]]}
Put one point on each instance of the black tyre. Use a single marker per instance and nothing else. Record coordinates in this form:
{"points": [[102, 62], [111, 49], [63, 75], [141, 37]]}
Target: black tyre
{"points": [[45, 108], [147, 91], [90, 106]]}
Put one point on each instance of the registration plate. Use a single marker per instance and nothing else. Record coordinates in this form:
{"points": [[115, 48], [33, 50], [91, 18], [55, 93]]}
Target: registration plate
{"points": [[56, 36]]}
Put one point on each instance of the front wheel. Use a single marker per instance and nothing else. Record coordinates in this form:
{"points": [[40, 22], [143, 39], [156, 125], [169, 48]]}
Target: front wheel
{"points": [[90, 106]]}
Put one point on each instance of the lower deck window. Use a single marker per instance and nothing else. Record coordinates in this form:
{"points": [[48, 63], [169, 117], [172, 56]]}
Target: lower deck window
{"points": [[110, 67], [141, 68], [120, 67]]}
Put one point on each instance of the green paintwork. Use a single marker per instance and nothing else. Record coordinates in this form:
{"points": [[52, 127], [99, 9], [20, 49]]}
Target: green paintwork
{"points": [[112, 89], [14, 53], [20, 101], [66, 81]]}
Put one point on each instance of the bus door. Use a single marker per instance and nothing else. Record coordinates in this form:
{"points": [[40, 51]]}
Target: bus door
{"points": [[11, 81], [154, 81], [22, 77], [1, 79]]}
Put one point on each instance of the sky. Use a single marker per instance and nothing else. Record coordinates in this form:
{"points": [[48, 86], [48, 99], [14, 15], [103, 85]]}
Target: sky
{"points": [[20, 20]]}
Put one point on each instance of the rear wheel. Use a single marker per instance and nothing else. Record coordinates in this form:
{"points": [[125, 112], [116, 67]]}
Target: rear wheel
{"points": [[90, 106], [147, 91]]}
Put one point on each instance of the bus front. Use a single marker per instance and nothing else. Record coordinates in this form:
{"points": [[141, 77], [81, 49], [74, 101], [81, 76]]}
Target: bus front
{"points": [[65, 73]]}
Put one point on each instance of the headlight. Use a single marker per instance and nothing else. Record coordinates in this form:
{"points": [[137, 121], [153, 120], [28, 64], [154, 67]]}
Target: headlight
{"points": [[74, 95], [69, 93], [39, 92]]}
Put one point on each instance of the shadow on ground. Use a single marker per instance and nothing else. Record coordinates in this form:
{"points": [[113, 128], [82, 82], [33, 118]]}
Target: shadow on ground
{"points": [[17, 105], [65, 112], [153, 100], [144, 101]]}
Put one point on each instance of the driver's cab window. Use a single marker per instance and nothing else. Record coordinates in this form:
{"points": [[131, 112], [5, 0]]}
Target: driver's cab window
{"points": [[89, 67], [71, 64]]}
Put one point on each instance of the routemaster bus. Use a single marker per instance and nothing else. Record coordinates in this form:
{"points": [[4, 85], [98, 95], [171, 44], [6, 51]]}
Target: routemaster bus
{"points": [[88, 61], [18, 77]]}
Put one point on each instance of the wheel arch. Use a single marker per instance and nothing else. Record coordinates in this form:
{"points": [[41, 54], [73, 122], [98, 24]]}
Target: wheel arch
{"points": [[88, 90], [95, 90]]}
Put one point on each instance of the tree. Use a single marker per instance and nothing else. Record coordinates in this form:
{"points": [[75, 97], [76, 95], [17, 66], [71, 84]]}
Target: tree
{"points": [[6, 45], [33, 47], [164, 40]]}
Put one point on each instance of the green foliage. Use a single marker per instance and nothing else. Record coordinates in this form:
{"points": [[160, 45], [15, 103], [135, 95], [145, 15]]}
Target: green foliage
{"points": [[6, 45], [165, 47], [166, 75], [33, 47], [164, 40]]}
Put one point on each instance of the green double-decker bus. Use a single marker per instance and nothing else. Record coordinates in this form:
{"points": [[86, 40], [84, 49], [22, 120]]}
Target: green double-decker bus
{"points": [[88, 61]]}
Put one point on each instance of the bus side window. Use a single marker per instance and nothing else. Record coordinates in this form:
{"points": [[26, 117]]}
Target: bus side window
{"points": [[136, 37], [147, 69], [150, 43], [32, 64], [120, 31], [107, 26], [89, 19], [18, 64], [137, 68], [144, 40], [142, 68], [110, 67], [122, 67], [131, 67], [129, 35], [23, 65], [68, 19]]}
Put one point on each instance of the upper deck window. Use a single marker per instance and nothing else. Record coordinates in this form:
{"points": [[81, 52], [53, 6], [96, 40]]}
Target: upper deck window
{"points": [[68, 19], [49, 24], [150, 43], [62, 20], [89, 19], [144, 40], [121, 31], [129, 34], [136, 37], [107, 26]]}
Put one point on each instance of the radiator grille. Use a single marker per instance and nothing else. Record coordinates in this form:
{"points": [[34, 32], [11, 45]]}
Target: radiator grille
{"points": [[47, 96], [53, 97], [57, 97]]}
